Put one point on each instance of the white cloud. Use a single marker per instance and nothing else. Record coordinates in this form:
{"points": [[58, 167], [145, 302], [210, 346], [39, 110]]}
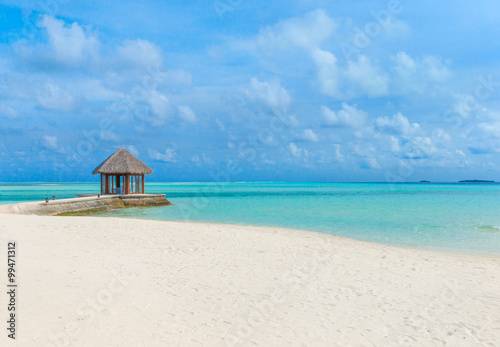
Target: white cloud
{"points": [[395, 146], [369, 163], [359, 77], [348, 116], [490, 130], [367, 154], [8, 111], [306, 32], [93, 90], [154, 107], [417, 75], [328, 73], [50, 142], [296, 151], [140, 53], [110, 136], [406, 67], [435, 68], [309, 135], [366, 78], [69, 43], [132, 149], [220, 125], [441, 137], [397, 28], [337, 153], [465, 106], [397, 124], [170, 156], [55, 98], [186, 113], [207, 160], [177, 77], [270, 93], [160, 104], [422, 147], [363, 78]]}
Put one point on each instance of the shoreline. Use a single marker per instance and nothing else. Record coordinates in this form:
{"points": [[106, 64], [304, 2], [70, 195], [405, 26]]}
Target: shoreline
{"points": [[452, 251], [8, 208], [85, 280]]}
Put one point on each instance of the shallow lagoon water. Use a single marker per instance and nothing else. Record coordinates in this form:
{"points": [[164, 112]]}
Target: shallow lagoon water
{"points": [[459, 217]]}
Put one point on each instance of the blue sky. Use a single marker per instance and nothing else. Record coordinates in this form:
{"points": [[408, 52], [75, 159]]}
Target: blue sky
{"points": [[251, 90]]}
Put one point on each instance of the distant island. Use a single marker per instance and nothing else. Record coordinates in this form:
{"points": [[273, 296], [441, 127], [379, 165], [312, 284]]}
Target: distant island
{"points": [[475, 181], [425, 181]]}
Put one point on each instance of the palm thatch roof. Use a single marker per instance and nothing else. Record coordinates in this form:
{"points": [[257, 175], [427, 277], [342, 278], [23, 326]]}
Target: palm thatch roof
{"points": [[122, 162]]}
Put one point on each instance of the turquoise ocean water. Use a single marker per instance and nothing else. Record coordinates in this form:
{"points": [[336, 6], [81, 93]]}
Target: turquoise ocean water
{"points": [[459, 217]]}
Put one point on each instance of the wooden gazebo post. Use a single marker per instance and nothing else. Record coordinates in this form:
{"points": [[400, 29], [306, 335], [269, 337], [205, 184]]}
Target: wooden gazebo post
{"points": [[127, 184]]}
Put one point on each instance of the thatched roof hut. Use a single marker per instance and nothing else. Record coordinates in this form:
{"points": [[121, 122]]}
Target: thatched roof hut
{"points": [[122, 162], [122, 173]]}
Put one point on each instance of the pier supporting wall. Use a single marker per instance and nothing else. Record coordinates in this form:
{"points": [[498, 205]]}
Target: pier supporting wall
{"points": [[86, 205]]}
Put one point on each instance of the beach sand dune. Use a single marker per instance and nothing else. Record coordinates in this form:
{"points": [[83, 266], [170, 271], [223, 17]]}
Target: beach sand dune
{"points": [[86, 281]]}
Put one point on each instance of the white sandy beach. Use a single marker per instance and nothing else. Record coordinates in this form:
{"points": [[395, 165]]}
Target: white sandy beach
{"points": [[87, 281]]}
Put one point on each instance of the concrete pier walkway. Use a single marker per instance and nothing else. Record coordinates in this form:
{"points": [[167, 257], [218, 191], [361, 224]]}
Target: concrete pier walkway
{"points": [[85, 205]]}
